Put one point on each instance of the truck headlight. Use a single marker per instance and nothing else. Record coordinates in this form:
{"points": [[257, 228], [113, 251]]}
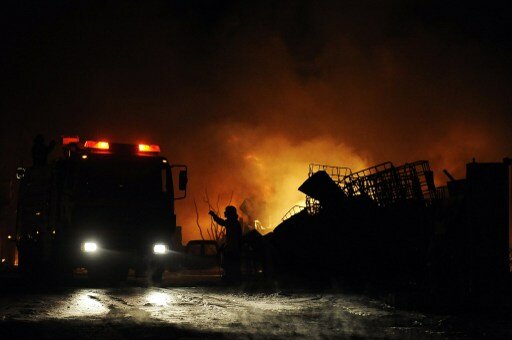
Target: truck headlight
{"points": [[89, 247], [160, 248]]}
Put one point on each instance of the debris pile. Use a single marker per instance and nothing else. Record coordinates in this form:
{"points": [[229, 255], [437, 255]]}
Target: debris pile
{"points": [[391, 225]]}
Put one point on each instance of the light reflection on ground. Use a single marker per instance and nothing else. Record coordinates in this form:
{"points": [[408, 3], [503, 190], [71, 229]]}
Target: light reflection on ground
{"points": [[82, 304], [224, 311], [218, 309], [158, 298]]}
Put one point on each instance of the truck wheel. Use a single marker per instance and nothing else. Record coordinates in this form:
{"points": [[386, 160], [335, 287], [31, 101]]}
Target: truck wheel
{"points": [[157, 276], [30, 266], [156, 273]]}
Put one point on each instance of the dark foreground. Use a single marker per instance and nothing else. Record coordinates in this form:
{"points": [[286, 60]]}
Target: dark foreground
{"points": [[135, 310]]}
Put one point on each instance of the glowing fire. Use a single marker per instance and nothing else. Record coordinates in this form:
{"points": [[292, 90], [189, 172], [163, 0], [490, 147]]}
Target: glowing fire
{"points": [[268, 173]]}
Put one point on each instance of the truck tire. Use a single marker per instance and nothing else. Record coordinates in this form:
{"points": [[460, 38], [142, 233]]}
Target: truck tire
{"points": [[30, 265], [156, 272]]}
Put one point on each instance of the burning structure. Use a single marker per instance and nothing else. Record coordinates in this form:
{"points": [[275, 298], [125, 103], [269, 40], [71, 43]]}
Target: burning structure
{"points": [[390, 225]]}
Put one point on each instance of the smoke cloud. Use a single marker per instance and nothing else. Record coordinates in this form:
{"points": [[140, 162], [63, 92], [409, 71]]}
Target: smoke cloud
{"points": [[248, 95]]}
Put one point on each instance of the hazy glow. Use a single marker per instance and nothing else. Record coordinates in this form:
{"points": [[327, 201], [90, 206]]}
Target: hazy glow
{"points": [[90, 247], [160, 248], [311, 85], [269, 170]]}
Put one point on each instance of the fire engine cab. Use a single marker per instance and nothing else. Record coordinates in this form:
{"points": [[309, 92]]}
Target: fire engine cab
{"points": [[104, 207]]}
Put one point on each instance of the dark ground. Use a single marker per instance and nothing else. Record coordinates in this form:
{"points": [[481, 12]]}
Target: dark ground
{"points": [[194, 304]]}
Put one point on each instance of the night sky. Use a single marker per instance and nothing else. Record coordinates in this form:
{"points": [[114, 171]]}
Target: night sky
{"points": [[248, 93]]}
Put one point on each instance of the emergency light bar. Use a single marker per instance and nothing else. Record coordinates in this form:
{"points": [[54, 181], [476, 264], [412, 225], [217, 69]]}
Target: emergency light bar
{"points": [[149, 148], [101, 145], [104, 147]]}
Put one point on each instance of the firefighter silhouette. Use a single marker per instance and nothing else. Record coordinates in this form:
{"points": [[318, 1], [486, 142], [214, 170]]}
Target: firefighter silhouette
{"points": [[233, 246], [40, 151]]}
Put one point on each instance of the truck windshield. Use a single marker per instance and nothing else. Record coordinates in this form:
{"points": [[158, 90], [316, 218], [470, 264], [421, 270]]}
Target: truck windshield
{"points": [[142, 177]]}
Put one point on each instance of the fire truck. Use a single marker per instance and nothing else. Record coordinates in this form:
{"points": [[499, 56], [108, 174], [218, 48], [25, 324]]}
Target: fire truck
{"points": [[101, 208]]}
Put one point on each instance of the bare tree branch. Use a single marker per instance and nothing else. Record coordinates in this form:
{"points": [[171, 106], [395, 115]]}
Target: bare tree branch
{"points": [[215, 232], [206, 200], [218, 199], [197, 220]]}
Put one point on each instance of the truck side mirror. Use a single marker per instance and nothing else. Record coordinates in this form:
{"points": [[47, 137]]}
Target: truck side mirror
{"points": [[183, 180], [20, 173]]}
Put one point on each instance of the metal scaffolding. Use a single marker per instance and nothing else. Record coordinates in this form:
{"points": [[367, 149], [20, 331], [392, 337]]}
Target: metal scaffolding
{"points": [[384, 183], [338, 175]]}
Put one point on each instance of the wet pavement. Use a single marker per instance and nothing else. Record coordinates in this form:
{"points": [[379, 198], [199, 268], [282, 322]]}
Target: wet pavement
{"points": [[214, 311]]}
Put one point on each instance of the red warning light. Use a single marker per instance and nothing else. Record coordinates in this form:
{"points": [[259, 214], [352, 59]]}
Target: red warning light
{"points": [[149, 148], [66, 140], [101, 145]]}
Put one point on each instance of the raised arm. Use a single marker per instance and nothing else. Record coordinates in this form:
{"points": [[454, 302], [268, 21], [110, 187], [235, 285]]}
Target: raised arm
{"points": [[217, 219]]}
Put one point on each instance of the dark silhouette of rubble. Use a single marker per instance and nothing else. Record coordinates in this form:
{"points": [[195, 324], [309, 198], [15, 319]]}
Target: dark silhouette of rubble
{"points": [[389, 226]]}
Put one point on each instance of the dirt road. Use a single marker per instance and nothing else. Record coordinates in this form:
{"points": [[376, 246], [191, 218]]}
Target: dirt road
{"points": [[142, 312]]}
